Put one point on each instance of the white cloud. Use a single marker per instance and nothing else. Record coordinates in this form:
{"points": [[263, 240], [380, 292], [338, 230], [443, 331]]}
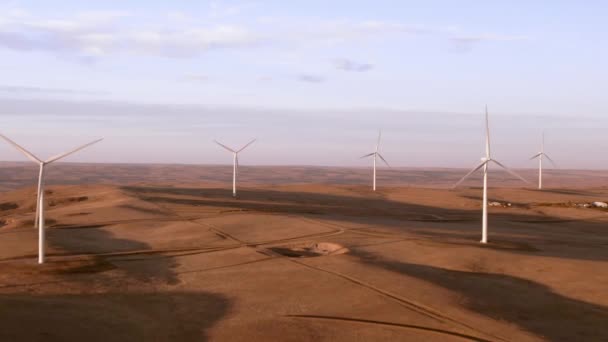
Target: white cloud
{"points": [[219, 10], [196, 78], [310, 78], [334, 32], [487, 37], [467, 42], [99, 33], [50, 91], [188, 42], [178, 16]]}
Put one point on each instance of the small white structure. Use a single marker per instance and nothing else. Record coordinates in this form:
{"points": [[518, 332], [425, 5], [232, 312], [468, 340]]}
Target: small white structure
{"points": [[235, 162], [376, 154], [540, 156], [600, 204]]}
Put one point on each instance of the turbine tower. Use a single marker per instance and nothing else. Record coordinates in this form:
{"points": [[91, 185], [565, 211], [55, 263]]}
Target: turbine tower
{"points": [[235, 162], [540, 156], [376, 154], [39, 220], [485, 163]]}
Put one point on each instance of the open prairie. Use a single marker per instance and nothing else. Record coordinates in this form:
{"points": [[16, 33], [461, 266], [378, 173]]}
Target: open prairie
{"points": [[164, 253]]}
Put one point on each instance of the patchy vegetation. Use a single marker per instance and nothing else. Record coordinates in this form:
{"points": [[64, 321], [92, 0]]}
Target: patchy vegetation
{"points": [[55, 202], [8, 206]]}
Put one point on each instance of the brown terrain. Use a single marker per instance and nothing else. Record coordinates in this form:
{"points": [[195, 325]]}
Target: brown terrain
{"points": [[164, 253]]}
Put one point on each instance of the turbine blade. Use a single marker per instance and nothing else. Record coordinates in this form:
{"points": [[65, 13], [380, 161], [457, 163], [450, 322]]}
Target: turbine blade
{"points": [[244, 147], [224, 146], [536, 155], [542, 144], [487, 135], [27, 153], [55, 158], [510, 171], [379, 137], [551, 160], [384, 160], [469, 174], [368, 155]]}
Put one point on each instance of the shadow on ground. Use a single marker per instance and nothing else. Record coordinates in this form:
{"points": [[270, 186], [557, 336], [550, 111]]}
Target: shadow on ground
{"points": [[373, 204], [105, 249], [110, 316], [538, 233], [530, 305]]}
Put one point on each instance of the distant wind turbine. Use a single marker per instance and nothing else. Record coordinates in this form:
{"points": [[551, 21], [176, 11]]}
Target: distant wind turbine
{"points": [[376, 154], [235, 162], [485, 163], [39, 220], [540, 156]]}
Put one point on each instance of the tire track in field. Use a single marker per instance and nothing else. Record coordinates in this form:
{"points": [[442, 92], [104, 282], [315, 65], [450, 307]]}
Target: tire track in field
{"points": [[410, 304], [441, 332]]}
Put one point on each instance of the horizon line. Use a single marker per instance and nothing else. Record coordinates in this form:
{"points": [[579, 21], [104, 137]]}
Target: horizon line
{"points": [[430, 168]]}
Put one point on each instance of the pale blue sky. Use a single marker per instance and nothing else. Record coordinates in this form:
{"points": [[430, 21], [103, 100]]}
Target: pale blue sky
{"points": [[313, 80]]}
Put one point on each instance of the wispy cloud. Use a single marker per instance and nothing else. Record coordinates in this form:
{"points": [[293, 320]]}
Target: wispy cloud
{"points": [[220, 10], [310, 78], [467, 42], [50, 91], [189, 42], [196, 78], [178, 16], [352, 66], [94, 34], [335, 32]]}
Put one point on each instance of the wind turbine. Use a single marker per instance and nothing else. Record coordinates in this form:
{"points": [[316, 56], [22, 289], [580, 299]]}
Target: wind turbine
{"points": [[235, 162], [485, 163], [540, 156], [376, 154], [39, 220]]}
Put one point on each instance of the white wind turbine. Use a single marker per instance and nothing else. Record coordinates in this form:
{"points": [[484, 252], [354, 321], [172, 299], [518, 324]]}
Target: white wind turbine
{"points": [[485, 163], [376, 154], [540, 156], [39, 220], [235, 162]]}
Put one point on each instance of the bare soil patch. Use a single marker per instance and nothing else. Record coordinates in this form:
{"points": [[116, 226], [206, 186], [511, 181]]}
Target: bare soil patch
{"points": [[310, 250]]}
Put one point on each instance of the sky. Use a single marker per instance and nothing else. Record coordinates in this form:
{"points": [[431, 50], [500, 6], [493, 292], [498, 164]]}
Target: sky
{"points": [[314, 81]]}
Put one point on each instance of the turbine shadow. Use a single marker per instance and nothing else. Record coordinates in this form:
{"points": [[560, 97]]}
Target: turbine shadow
{"points": [[530, 305], [157, 316], [94, 240]]}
